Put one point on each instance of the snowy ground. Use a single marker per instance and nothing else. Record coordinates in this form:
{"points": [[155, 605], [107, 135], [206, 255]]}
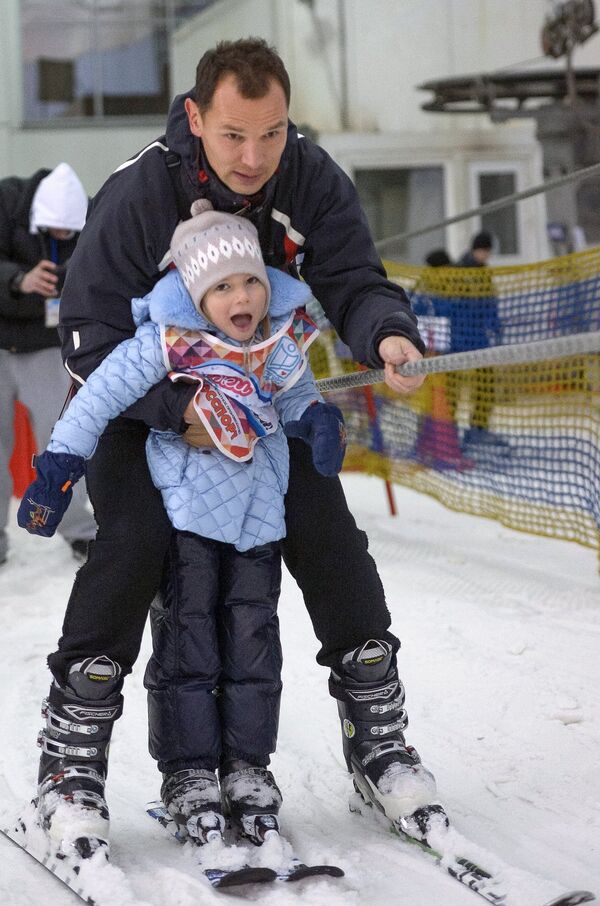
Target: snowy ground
{"points": [[500, 658]]}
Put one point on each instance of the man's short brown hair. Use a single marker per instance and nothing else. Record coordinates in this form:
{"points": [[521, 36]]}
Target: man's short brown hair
{"points": [[251, 60]]}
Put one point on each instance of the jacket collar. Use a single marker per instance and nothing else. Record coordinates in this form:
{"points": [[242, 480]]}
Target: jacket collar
{"points": [[169, 302]]}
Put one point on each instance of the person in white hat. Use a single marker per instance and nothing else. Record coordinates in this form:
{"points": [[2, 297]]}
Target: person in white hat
{"points": [[40, 221], [239, 333]]}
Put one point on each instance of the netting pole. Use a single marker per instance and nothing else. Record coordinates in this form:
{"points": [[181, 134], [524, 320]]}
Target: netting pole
{"points": [[377, 439]]}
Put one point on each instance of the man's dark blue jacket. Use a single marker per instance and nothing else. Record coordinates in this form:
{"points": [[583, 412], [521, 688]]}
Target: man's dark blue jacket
{"points": [[308, 213]]}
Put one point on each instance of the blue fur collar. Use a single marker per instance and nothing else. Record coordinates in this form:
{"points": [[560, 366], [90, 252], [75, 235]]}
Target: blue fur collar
{"points": [[170, 303]]}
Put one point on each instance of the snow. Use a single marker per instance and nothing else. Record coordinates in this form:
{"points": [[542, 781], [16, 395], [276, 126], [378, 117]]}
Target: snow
{"points": [[500, 634]]}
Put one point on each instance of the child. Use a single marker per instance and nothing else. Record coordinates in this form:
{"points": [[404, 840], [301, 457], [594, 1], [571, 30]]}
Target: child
{"points": [[214, 678]]}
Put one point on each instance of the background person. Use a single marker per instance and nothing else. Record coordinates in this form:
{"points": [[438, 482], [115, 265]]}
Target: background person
{"points": [[477, 325], [438, 258], [480, 252], [40, 221]]}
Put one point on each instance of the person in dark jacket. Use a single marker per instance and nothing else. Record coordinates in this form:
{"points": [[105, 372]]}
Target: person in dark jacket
{"points": [[438, 258], [476, 325], [40, 220], [480, 252], [230, 141]]}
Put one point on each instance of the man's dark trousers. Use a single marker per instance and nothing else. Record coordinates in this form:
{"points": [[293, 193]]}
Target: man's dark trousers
{"points": [[324, 551]]}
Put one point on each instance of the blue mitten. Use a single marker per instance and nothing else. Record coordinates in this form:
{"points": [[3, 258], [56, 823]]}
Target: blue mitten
{"points": [[322, 426], [46, 499]]}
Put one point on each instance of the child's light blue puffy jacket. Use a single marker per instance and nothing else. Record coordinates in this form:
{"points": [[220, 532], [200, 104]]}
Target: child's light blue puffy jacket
{"points": [[205, 492]]}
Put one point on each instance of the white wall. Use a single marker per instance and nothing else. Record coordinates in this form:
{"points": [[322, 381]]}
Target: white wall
{"points": [[92, 152], [392, 47], [289, 25]]}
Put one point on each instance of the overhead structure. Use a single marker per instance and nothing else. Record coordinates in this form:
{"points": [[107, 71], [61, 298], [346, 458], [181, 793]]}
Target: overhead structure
{"points": [[565, 104]]}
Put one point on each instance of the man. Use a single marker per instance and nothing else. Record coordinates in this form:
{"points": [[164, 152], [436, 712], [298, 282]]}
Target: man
{"points": [[40, 220], [438, 258], [229, 141], [480, 251]]}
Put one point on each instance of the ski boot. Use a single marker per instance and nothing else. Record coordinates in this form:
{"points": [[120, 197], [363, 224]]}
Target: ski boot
{"points": [[252, 799], [70, 804], [386, 771], [193, 800]]}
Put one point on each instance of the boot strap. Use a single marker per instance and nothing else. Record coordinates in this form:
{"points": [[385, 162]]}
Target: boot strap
{"points": [[385, 748], [58, 749], [55, 722], [384, 729]]}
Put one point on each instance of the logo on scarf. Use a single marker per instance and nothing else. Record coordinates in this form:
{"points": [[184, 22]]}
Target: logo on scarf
{"points": [[236, 385]]}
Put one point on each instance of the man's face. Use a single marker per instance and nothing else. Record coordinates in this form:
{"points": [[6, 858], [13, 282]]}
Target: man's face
{"points": [[59, 233], [243, 138], [482, 256]]}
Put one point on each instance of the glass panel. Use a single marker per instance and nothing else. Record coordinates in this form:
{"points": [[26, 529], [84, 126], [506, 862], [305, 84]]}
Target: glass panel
{"points": [[501, 224], [130, 72], [588, 210], [400, 200], [183, 10], [50, 78], [93, 58]]}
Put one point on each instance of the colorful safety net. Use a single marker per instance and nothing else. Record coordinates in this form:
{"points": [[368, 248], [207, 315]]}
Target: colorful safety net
{"points": [[516, 443]]}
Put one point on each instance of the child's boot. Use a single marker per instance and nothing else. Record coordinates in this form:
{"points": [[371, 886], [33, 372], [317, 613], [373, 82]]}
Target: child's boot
{"points": [[252, 799], [193, 800]]}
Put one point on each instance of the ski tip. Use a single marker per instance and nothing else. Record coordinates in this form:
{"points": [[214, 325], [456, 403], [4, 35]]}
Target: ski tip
{"points": [[573, 898], [249, 875], [310, 871]]}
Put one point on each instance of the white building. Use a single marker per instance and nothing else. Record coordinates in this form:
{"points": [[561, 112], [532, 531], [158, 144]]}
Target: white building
{"points": [[88, 81]]}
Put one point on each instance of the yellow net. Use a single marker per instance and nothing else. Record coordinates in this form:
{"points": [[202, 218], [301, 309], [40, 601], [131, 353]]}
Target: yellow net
{"points": [[516, 443]]}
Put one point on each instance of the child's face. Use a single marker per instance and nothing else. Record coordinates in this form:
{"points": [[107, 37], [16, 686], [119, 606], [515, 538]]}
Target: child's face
{"points": [[236, 305]]}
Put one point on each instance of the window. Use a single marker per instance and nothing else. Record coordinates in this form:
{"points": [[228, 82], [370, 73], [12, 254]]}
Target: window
{"points": [[588, 210], [489, 182], [399, 200], [98, 58], [501, 224]]}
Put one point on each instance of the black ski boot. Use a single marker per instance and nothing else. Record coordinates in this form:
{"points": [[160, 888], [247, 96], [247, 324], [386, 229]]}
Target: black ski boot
{"points": [[193, 800], [370, 695], [252, 799], [71, 807]]}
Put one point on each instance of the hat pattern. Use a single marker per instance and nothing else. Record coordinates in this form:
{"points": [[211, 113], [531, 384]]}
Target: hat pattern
{"points": [[212, 246]]}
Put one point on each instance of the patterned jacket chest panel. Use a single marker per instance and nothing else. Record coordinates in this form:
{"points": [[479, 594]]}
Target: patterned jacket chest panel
{"points": [[238, 386], [274, 363]]}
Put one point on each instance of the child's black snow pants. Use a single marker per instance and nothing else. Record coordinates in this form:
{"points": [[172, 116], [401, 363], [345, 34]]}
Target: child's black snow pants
{"points": [[214, 678]]}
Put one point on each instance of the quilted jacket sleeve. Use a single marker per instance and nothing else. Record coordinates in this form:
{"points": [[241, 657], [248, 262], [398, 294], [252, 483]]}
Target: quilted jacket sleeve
{"points": [[290, 404], [124, 376]]}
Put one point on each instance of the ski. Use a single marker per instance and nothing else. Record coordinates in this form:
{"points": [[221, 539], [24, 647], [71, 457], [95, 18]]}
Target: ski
{"points": [[298, 871], [65, 869], [217, 877], [263, 830], [429, 829], [237, 877], [92, 878], [293, 870]]}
